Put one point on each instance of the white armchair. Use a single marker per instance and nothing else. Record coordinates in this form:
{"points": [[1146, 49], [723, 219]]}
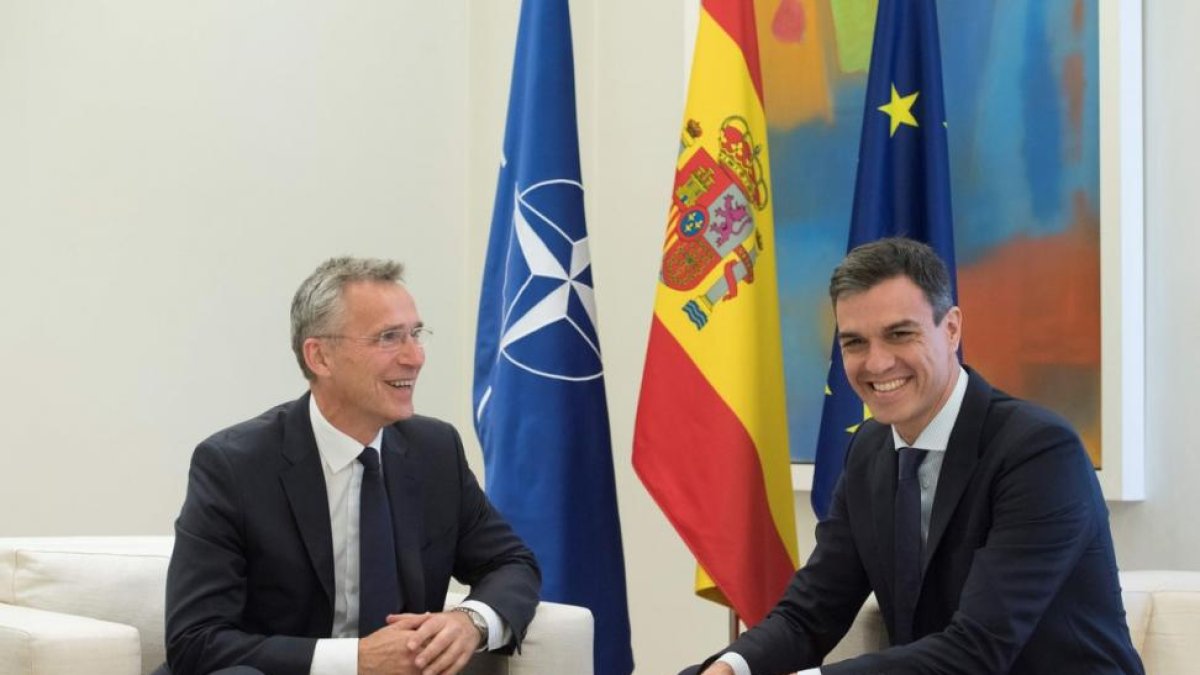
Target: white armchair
{"points": [[94, 605], [1161, 608]]}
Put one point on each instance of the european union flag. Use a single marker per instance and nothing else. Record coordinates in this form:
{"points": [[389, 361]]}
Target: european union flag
{"points": [[902, 187], [540, 410]]}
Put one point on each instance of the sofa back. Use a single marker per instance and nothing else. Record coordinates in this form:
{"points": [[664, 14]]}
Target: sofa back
{"points": [[1163, 612], [117, 579]]}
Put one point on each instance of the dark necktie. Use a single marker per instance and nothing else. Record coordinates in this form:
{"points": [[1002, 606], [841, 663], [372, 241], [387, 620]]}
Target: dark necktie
{"points": [[908, 542], [378, 582]]}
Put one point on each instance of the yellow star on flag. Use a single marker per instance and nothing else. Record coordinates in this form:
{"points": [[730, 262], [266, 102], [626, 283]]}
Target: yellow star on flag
{"points": [[899, 109], [866, 416]]}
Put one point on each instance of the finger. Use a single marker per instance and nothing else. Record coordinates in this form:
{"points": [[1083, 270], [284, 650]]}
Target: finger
{"points": [[436, 647], [431, 627], [407, 621], [452, 659]]}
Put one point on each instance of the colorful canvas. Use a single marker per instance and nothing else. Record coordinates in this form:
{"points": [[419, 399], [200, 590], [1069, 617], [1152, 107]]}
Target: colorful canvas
{"points": [[1021, 92]]}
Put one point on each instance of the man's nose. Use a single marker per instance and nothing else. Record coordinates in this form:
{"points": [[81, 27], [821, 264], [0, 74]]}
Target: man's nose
{"points": [[410, 353], [879, 358]]}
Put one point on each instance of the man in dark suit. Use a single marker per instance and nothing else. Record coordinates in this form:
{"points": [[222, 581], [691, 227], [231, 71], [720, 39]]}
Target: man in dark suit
{"points": [[1008, 563], [320, 536]]}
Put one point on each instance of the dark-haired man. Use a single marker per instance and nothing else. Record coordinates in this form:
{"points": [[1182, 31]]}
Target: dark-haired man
{"points": [[974, 517]]}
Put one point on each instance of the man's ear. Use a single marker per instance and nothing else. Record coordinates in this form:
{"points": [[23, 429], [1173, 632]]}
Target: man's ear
{"points": [[952, 324], [316, 356]]}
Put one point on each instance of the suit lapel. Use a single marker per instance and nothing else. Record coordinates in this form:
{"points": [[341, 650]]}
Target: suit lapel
{"points": [[404, 494], [883, 500], [304, 483], [962, 453]]}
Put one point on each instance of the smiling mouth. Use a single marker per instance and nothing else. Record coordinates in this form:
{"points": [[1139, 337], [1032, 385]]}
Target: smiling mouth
{"points": [[401, 384], [890, 385]]}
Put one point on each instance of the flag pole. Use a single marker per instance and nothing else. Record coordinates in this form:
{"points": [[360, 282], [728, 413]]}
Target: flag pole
{"points": [[734, 625]]}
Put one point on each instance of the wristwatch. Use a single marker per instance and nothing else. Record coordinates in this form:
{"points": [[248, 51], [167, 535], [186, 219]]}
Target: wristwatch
{"points": [[480, 625]]}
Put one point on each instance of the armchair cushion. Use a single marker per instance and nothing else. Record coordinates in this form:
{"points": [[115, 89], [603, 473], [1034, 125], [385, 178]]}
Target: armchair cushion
{"points": [[117, 579]]}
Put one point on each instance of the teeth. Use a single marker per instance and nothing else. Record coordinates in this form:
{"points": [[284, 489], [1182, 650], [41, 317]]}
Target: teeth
{"points": [[401, 383], [890, 385]]}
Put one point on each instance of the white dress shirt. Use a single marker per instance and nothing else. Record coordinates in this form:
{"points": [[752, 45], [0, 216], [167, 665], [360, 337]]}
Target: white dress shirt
{"points": [[338, 654], [935, 438]]}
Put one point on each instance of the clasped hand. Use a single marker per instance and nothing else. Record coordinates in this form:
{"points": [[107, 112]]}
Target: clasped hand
{"points": [[429, 644]]}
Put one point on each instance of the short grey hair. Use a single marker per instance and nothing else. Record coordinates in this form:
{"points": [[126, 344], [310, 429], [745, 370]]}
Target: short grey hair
{"points": [[873, 263], [317, 305]]}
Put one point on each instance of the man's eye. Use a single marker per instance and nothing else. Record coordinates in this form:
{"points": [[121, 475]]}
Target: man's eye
{"points": [[391, 337]]}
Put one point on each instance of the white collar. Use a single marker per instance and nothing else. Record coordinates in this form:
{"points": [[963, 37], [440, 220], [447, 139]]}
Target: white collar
{"points": [[337, 449], [936, 435]]}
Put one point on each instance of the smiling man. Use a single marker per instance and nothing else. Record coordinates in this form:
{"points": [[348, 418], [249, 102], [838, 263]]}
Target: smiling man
{"points": [[974, 517], [320, 537]]}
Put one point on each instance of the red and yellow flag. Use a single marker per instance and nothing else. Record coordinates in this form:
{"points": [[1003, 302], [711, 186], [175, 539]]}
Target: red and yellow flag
{"points": [[710, 441]]}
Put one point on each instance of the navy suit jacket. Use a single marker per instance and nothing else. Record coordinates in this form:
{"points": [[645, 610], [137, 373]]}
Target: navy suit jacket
{"points": [[251, 578], [1019, 571]]}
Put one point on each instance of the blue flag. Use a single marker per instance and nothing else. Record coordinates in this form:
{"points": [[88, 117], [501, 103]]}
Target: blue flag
{"points": [[539, 403], [902, 188]]}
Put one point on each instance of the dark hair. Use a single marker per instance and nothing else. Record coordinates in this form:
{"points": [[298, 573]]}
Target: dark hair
{"points": [[870, 264]]}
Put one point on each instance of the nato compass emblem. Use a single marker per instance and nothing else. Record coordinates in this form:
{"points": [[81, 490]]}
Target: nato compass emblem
{"points": [[549, 321]]}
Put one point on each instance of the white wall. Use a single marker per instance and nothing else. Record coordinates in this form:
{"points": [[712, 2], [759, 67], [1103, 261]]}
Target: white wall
{"points": [[169, 171], [1162, 531]]}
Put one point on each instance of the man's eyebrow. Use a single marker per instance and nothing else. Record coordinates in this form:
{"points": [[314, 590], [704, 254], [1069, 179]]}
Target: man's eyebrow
{"points": [[402, 326], [906, 323]]}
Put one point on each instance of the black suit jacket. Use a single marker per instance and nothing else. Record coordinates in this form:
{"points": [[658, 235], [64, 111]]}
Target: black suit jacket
{"points": [[1020, 575], [251, 578]]}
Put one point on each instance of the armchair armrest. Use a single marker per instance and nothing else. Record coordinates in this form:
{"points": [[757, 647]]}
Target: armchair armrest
{"points": [[50, 643], [559, 640]]}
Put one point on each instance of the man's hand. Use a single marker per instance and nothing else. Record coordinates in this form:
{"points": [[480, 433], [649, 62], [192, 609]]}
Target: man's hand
{"points": [[387, 650], [442, 643], [719, 668]]}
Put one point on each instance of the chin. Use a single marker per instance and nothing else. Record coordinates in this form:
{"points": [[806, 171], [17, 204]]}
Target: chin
{"points": [[889, 416]]}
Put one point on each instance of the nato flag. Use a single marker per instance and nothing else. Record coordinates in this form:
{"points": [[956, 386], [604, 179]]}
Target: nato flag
{"points": [[902, 187], [539, 400]]}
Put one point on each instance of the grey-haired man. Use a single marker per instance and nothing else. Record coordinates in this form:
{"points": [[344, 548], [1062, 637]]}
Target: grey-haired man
{"points": [[320, 537]]}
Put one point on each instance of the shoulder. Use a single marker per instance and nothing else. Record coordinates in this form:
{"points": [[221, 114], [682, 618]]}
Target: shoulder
{"points": [[253, 438], [436, 442], [1017, 442], [992, 424], [428, 430], [1016, 422]]}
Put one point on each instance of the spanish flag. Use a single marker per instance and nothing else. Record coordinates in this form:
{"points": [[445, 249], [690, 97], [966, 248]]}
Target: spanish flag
{"points": [[710, 441]]}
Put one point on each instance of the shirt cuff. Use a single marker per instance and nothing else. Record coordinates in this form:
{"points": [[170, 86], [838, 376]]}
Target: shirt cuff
{"points": [[499, 634], [735, 661], [335, 656]]}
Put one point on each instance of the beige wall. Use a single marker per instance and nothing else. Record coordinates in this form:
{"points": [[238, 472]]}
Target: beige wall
{"points": [[170, 170], [1161, 532]]}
